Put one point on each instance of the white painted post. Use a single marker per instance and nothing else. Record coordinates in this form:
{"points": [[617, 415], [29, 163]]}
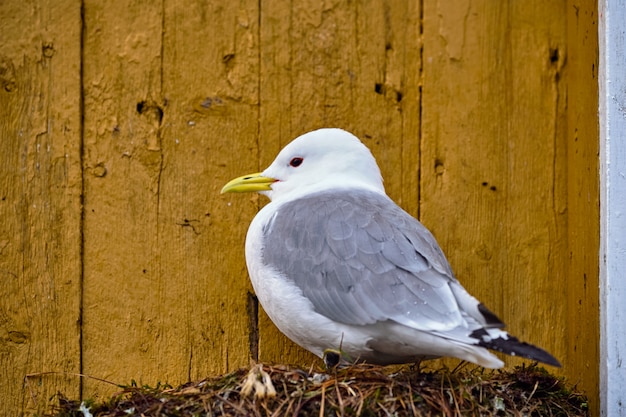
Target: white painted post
{"points": [[612, 102]]}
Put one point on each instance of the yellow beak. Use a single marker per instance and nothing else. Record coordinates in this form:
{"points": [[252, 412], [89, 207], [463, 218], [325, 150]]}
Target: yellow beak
{"points": [[249, 183]]}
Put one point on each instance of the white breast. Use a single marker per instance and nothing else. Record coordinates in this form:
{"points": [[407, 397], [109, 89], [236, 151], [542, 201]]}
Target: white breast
{"points": [[282, 300]]}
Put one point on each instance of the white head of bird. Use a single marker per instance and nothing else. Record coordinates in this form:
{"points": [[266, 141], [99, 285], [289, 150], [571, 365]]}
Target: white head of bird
{"points": [[315, 161]]}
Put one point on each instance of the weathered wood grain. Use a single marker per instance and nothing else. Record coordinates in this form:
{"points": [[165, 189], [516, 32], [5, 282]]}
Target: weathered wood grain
{"points": [[583, 211], [350, 65], [40, 193], [210, 136], [165, 284], [494, 185], [498, 144], [123, 164]]}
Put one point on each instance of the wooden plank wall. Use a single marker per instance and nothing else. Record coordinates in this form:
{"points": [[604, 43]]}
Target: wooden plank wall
{"points": [[40, 202], [120, 121]]}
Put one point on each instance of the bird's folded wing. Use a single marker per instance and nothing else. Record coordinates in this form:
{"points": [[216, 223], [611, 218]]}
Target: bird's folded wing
{"points": [[361, 259]]}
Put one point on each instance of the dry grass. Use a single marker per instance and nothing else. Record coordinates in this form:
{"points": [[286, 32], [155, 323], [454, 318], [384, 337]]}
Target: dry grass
{"points": [[355, 391]]}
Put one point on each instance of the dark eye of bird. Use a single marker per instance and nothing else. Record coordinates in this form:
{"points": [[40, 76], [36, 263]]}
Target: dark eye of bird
{"points": [[295, 162]]}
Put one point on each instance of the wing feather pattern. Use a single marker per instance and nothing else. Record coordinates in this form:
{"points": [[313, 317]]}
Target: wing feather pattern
{"points": [[358, 266]]}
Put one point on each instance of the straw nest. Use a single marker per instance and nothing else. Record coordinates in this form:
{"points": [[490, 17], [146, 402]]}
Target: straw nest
{"points": [[359, 390]]}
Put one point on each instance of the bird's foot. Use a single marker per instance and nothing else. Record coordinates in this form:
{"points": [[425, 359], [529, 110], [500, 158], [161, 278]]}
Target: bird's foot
{"points": [[331, 358], [336, 358]]}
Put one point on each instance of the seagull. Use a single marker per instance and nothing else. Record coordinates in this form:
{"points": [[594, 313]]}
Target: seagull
{"points": [[348, 275]]}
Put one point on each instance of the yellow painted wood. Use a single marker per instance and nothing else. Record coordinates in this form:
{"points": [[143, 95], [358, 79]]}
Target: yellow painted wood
{"points": [[210, 134], [482, 116], [350, 65], [494, 188], [498, 160], [170, 114], [123, 164], [583, 230], [40, 187]]}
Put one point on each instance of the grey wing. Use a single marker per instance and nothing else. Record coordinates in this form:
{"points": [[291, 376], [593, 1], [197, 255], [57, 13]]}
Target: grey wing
{"points": [[359, 259]]}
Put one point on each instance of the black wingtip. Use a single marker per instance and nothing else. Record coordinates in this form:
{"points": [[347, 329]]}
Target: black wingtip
{"points": [[512, 346], [529, 351], [491, 319]]}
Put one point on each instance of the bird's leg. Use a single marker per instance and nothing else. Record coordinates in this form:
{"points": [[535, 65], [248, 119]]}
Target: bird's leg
{"points": [[417, 366], [331, 358]]}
